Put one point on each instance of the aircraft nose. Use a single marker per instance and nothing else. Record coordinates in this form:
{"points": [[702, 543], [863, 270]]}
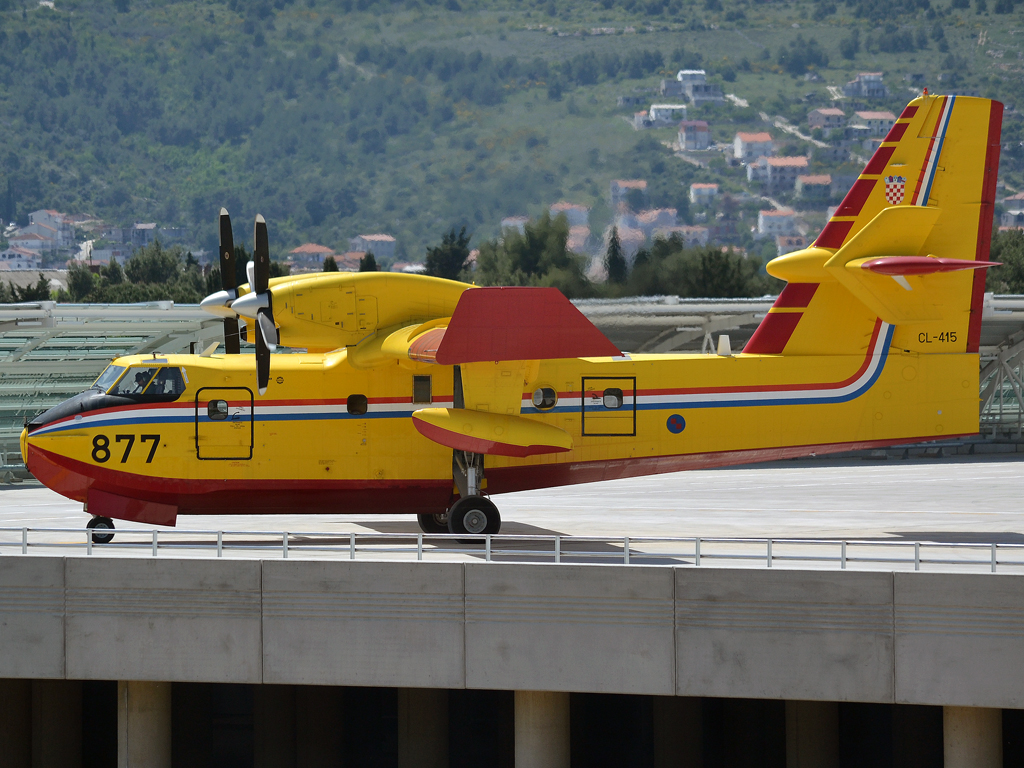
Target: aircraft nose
{"points": [[24, 444]]}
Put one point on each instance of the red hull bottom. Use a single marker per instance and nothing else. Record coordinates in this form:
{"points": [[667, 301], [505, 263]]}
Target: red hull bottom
{"points": [[138, 498]]}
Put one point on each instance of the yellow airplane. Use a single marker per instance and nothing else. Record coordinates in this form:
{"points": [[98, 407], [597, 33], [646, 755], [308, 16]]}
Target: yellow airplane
{"points": [[426, 396]]}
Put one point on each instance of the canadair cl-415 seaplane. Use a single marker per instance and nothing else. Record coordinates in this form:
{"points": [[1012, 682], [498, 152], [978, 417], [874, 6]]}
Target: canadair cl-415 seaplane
{"points": [[426, 396]]}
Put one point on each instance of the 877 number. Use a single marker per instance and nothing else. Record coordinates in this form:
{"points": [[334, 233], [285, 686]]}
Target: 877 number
{"points": [[101, 447]]}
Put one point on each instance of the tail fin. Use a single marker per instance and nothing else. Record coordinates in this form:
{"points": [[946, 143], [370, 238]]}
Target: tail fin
{"points": [[908, 244]]}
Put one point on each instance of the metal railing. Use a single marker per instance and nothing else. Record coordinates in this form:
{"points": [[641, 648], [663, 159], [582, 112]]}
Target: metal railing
{"points": [[860, 554]]}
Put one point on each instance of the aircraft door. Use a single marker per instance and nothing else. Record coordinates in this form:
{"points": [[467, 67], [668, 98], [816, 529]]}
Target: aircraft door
{"points": [[224, 424], [609, 406]]}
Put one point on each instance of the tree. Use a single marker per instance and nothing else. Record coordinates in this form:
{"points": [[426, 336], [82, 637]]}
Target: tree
{"points": [[80, 281], [154, 264], [449, 259], [113, 273], [38, 292], [330, 265], [368, 263], [614, 261], [1008, 249]]}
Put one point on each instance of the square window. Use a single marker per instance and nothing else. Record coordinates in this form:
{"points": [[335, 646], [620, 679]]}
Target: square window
{"points": [[421, 390]]}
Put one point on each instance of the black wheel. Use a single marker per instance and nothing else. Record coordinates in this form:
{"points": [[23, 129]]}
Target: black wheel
{"points": [[475, 515], [433, 523], [98, 524]]}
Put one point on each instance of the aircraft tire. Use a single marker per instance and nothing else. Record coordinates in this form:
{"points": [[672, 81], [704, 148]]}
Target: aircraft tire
{"points": [[433, 523], [104, 524], [474, 515]]}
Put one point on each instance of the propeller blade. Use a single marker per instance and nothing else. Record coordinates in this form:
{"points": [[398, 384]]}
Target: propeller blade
{"points": [[250, 273], [227, 252], [232, 345], [262, 358], [267, 329], [261, 255]]}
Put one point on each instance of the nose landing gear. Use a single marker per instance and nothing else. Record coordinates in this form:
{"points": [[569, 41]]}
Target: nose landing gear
{"points": [[102, 529]]}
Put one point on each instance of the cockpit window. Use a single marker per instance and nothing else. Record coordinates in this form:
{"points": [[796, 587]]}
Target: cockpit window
{"points": [[108, 377], [134, 382], [159, 382], [168, 381]]}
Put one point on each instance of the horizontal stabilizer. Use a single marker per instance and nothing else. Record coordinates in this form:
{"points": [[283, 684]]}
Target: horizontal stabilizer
{"points": [[490, 433], [895, 266], [520, 323]]}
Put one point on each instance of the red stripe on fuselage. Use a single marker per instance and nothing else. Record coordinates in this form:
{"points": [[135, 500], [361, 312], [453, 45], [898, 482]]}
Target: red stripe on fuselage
{"points": [[988, 199]]}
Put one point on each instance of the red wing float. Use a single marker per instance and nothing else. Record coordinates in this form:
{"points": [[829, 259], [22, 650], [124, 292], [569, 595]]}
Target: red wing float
{"points": [[426, 396]]}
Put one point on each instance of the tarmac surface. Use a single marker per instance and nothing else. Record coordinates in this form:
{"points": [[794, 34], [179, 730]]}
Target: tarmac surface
{"points": [[963, 499]]}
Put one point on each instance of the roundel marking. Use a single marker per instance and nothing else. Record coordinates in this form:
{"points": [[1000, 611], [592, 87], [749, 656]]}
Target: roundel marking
{"points": [[676, 424]]}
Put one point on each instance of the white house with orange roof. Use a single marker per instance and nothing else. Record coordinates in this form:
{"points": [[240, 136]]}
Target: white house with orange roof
{"points": [[31, 241], [577, 215], [777, 173], [747, 147], [825, 118], [649, 220], [12, 259], [309, 257]]}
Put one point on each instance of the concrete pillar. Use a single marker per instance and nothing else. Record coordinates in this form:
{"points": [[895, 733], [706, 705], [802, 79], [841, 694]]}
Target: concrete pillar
{"points": [[812, 734], [143, 724], [56, 724], [15, 723], [542, 729], [422, 728], [972, 737], [678, 732]]}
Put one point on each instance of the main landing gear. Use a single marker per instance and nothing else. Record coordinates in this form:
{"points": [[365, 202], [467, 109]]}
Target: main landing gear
{"points": [[102, 529], [471, 513]]}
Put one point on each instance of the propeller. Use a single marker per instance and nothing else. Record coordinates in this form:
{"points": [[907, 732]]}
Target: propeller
{"points": [[258, 304], [228, 281], [219, 303]]}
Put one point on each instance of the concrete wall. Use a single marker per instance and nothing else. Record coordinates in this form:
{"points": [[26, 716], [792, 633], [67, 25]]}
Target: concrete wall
{"points": [[939, 639]]}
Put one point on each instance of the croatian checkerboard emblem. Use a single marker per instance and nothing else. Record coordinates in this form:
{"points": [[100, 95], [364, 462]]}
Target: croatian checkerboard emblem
{"points": [[894, 186]]}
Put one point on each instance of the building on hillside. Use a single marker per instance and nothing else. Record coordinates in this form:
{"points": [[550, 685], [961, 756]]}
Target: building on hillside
{"points": [[62, 225], [579, 236], [655, 218], [825, 118], [143, 234], [670, 88], [1012, 220], [690, 236], [622, 187], [816, 187], [697, 88], [349, 261], [878, 123], [12, 259], [667, 114], [831, 154], [777, 173], [789, 243], [30, 241], [309, 257], [771, 223], [517, 223], [120, 251], [747, 147], [577, 215], [694, 135], [867, 85], [383, 246], [703, 193], [630, 101], [642, 120], [1014, 202]]}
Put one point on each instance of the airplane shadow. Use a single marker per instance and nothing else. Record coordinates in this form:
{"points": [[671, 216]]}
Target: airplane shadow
{"points": [[961, 537]]}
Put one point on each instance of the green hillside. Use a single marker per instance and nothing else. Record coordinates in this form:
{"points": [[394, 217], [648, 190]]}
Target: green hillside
{"points": [[335, 118]]}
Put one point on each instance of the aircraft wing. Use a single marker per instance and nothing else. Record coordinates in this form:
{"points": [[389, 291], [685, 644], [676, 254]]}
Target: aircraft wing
{"points": [[497, 338]]}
